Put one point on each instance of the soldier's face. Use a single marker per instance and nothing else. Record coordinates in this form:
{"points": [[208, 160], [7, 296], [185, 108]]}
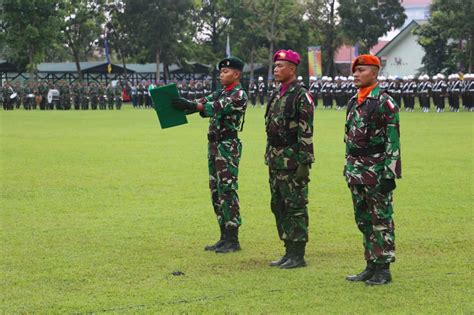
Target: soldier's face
{"points": [[229, 76], [283, 71], [365, 76]]}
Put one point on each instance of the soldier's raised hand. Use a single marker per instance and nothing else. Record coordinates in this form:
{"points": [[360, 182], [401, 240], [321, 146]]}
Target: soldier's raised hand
{"points": [[183, 104]]}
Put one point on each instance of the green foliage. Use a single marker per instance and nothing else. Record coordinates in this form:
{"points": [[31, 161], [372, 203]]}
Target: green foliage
{"points": [[156, 28], [364, 22], [448, 37], [327, 31], [97, 208], [28, 29]]}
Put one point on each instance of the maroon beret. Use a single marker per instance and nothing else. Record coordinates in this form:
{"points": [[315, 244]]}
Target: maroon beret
{"points": [[287, 55]]}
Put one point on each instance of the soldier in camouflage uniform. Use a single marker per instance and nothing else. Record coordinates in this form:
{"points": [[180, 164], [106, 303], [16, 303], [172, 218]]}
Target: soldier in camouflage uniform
{"points": [[289, 155], [373, 163], [226, 110]]}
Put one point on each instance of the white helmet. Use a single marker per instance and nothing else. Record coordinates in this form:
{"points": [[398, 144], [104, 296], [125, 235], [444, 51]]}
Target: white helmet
{"points": [[260, 78], [329, 79], [411, 77], [343, 78], [440, 76], [300, 78], [435, 77], [324, 78], [350, 78], [312, 78], [405, 78]]}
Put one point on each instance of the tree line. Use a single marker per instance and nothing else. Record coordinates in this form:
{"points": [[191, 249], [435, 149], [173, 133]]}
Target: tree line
{"points": [[176, 31]]}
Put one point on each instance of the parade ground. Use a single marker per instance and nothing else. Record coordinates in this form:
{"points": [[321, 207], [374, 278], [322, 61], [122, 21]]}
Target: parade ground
{"points": [[99, 208]]}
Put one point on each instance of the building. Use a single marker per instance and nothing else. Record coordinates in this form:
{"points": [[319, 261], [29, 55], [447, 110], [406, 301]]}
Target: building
{"points": [[402, 56]]}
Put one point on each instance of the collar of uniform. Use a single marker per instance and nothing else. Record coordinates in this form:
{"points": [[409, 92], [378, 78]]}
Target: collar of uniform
{"points": [[373, 92], [231, 86], [289, 87]]}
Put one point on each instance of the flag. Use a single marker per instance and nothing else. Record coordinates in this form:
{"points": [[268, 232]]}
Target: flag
{"points": [[107, 56], [227, 47], [356, 50], [314, 61]]}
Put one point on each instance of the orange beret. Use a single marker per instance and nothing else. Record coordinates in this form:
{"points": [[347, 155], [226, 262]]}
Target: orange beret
{"points": [[366, 60]]}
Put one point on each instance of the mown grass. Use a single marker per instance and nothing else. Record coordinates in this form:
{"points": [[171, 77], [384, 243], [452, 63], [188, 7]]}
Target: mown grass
{"points": [[99, 207]]}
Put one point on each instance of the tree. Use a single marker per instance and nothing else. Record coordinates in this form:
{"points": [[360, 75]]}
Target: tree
{"points": [[323, 17], [212, 19], [363, 22], [156, 29], [276, 20], [29, 27], [81, 27], [450, 33]]}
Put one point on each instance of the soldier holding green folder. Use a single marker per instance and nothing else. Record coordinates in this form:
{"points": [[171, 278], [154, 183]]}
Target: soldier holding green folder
{"points": [[226, 110]]}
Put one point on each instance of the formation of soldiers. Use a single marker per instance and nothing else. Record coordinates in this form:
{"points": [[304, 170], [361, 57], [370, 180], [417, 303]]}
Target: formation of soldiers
{"points": [[43, 95], [436, 90]]}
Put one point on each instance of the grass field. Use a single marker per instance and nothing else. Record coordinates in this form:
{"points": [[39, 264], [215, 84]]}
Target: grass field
{"points": [[98, 208]]}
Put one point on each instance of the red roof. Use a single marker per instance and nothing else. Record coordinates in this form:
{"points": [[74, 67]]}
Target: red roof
{"points": [[345, 54]]}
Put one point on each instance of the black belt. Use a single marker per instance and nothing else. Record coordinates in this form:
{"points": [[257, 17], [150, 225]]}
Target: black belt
{"points": [[367, 151], [223, 136], [283, 141]]}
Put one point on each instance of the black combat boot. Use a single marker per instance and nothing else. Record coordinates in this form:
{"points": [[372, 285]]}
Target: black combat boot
{"points": [[364, 275], [284, 258], [232, 242], [296, 256], [220, 242], [381, 276]]}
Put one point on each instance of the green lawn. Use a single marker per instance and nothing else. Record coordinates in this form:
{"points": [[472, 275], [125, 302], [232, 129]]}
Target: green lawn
{"points": [[99, 207]]}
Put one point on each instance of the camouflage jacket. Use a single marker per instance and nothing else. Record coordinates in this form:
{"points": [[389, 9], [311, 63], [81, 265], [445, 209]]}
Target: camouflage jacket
{"points": [[373, 128], [226, 109], [289, 127]]}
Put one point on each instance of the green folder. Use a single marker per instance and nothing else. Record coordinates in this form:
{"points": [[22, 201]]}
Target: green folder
{"points": [[167, 114]]}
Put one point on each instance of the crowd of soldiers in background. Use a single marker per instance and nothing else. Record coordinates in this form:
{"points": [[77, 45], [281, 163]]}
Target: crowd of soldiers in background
{"points": [[326, 90], [61, 95]]}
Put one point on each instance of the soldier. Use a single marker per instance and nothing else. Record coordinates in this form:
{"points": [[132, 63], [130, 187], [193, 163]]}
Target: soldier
{"points": [[199, 90], [424, 92], [7, 93], [351, 89], [102, 97], [327, 92], [409, 91], [184, 89], [394, 88], [118, 95], [454, 90], [465, 92], [270, 88], [439, 92], [134, 91], [289, 155], [76, 95], [226, 109], [85, 96], [253, 92], [261, 91], [314, 88], [94, 95], [384, 83], [373, 163], [469, 90], [191, 91], [29, 96], [339, 93], [110, 96]]}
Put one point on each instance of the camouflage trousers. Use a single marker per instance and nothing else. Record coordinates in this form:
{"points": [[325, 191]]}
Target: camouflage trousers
{"points": [[289, 199], [223, 162], [373, 215]]}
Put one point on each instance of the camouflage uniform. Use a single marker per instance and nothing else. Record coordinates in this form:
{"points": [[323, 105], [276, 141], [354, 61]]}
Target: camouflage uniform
{"points": [[289, 128], [372, 140], [226, 109]]}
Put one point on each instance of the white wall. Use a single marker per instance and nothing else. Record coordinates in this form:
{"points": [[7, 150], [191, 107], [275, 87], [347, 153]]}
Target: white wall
{"points": [[410, 53]]}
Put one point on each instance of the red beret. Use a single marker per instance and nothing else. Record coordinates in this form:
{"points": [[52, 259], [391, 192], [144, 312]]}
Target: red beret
{"points": [[366, 60], [287, 55]]}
